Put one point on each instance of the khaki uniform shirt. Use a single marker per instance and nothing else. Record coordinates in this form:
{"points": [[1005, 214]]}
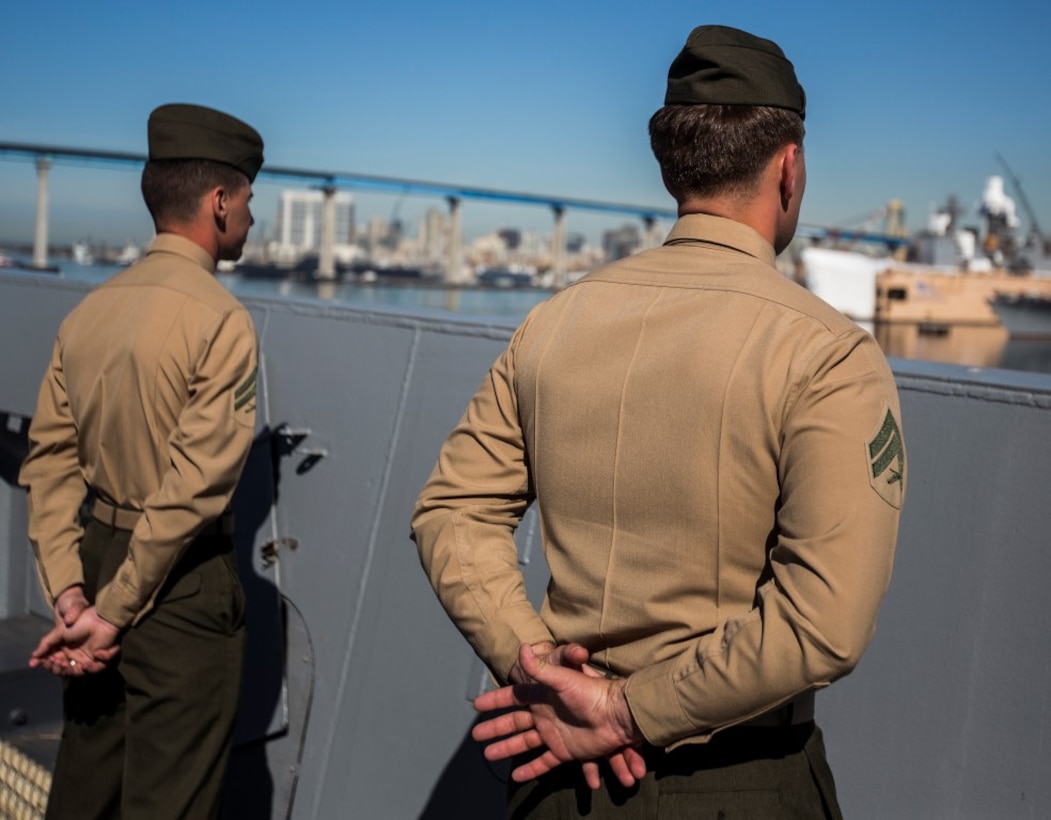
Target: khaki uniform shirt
{"points": [[149, 399], [719, 471]]}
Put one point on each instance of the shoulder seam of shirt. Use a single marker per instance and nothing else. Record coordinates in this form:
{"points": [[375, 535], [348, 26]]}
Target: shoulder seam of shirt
{"points": [[222, 309], [730, 289]]}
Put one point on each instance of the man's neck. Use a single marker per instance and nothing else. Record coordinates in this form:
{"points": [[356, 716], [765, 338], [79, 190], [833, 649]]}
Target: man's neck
{"points": [[203, 238], [754, 213], [771, 208]]}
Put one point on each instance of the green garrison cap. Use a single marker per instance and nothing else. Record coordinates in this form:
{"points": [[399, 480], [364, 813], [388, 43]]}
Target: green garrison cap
{"points": [[181, 131], [727, 66]]}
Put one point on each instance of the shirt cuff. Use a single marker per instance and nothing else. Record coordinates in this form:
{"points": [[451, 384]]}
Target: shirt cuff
{"points": [[58, 582], [503, 640], [118, 605], [654, 703]]}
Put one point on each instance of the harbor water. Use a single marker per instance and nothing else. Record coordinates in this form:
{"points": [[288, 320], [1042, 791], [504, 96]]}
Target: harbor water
{"points": [[972, 346]]}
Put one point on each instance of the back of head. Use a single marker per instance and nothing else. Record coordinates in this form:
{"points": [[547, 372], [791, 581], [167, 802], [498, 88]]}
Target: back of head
{"points": [[193, 149], [732, 101]]}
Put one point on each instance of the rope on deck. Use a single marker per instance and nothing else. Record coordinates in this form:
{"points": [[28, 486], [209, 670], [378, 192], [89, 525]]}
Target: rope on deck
{"points": [[24, 785]]}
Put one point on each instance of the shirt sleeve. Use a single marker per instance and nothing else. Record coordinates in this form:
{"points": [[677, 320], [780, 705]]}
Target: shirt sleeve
{"points": [[842, 477], [207, 452], [51, 473], [465, 520]]}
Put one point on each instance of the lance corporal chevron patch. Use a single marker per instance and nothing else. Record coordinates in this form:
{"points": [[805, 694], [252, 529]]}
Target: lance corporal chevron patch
{"points": [[886, 455]]}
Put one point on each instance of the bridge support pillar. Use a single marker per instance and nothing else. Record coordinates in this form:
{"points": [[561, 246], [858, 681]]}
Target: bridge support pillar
{"points": [[558, 247], [326, 265], [652, 238], [43, 166], [454, 247]]}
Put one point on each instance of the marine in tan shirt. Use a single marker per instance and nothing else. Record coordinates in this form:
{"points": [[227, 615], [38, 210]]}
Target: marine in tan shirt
{"points": [[719, 470], [149, 400], [147, 408]]}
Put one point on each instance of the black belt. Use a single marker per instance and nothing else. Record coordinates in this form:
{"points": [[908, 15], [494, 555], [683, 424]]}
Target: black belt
{"points": [[121, 518], [793, 713]]}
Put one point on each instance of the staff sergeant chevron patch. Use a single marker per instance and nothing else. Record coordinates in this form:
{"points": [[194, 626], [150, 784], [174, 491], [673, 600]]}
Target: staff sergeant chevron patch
{"points": [[886, 454]]}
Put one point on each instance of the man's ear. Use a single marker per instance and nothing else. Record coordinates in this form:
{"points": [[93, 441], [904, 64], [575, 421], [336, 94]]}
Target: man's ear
{"points": [[219, 202], [789, 171]]}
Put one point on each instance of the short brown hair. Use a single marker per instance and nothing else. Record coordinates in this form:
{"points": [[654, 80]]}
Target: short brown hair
{"points": [[705, 150], [173, 188]]}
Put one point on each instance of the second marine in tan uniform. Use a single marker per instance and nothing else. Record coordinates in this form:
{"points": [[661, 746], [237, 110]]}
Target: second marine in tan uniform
{"points": [[695, 426], [719, 471]]}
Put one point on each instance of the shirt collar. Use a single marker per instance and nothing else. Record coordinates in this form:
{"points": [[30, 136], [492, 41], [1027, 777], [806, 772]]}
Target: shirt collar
{"points": [[181, 246], [717, 230]]}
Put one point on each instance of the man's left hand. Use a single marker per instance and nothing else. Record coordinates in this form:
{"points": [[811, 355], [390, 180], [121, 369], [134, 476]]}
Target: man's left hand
{"points": [[627, 764], [82, 648], [571, 714]]}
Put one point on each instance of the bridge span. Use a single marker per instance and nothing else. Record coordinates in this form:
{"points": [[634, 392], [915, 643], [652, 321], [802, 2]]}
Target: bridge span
{"points": [[44, 156]]}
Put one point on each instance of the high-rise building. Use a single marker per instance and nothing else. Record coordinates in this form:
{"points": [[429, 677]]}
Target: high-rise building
{"points": [[299, 215], [434, 231], [621, 242]]}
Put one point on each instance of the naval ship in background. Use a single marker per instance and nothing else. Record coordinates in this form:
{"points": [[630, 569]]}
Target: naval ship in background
{"points": [[1025, 315], [358, 689], [949, 275]]}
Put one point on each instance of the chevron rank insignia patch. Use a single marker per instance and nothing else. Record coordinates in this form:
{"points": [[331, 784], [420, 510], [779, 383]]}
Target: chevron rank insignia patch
{"points": [[244, 396], [886, 457]]}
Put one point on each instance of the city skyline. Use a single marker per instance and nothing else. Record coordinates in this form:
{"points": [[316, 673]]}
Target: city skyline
{"points": [[906, 101], [71, 222]]}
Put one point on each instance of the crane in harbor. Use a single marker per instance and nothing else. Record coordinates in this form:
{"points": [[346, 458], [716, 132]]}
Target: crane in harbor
{"points": [[1034, 226]]}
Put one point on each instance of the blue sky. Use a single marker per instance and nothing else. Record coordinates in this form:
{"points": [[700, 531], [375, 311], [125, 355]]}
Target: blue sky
{"points": [[906, 100]]}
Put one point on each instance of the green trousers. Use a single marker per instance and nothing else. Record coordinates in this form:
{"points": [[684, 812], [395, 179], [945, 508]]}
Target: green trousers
{"points": [[742, 774], [150, 736]]}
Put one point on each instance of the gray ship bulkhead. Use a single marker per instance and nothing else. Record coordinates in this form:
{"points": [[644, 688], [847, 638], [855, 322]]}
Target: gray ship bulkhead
{"points": [[358, 689]]}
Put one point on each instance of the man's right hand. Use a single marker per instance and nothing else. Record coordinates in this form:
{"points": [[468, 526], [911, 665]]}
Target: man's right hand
{"points": [[69, 604], [571, 655]]}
